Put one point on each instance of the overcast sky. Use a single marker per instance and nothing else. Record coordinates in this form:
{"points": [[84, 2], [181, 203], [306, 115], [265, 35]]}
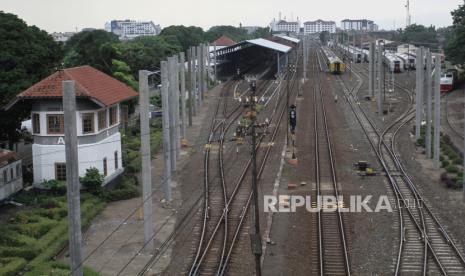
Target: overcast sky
{"points": [[69, 15]]}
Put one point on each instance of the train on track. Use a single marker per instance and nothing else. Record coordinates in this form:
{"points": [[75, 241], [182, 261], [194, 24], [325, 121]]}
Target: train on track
{"points": [[451, 77], [393, 62], [335, 64]]}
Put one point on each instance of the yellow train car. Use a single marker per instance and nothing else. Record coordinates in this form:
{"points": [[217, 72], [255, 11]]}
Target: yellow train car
{"points": [[335, 64]]}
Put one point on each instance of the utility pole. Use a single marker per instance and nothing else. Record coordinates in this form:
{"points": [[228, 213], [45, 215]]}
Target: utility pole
{"points": [[287, 99], [182, 68], [199, 75], [429, 89], [194, 81], [72, 178], [215, 59], [146, 159], [177, 132], [419, 91], [437, 109], [166, 131], [191, 86], [380, 79], [304, 53], [171, 109], [256, 237], [371, 72]]}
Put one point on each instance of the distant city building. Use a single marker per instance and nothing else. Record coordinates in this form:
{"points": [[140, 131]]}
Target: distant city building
{"points": [[358, 25], [98, 108], [318, 26], [11, 176], [62, 37], [130, 29], [285, 26]]}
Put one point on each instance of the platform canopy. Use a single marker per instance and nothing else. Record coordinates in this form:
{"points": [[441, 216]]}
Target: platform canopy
{"points": [[265, 43], [292, 39]]}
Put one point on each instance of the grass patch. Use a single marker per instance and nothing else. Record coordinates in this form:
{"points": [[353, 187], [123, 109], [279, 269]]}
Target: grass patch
{"points": [[32, 238]]}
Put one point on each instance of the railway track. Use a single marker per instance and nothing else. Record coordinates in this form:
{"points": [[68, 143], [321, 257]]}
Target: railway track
{"points": [[424, 247], [226, 209], [333, 256], [454, 129]]}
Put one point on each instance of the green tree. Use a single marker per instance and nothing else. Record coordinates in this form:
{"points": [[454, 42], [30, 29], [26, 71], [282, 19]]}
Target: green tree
{"points": [[122, 72], [146, 52], [236, 34], [186, 36], [27, 54], [421, 35], [455, 50], [94, 48], [261, 33]]}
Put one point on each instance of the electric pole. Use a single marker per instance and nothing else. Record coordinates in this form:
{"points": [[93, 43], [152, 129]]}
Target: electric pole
{"points": [[256, 237], [146, 162], [72, 178]]}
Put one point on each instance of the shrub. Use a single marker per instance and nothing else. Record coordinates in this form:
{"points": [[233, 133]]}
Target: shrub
{"points": [[458, 161], [126, 190], [421, 142], [444, 176], [36, 229], [445, 163], [441, 158], [11, 266], [93, 181], [55, 186], [452, 169], [460, 174]]}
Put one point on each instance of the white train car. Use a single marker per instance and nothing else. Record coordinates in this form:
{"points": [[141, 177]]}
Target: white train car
{"points": [[394, 63], [408, 59]]}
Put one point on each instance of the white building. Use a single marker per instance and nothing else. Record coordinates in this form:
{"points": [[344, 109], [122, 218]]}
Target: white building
{"points": [[98, 98], [11, 176], [62, 37], [318, 26], [286, 26], [130, 29], [358, 25]]}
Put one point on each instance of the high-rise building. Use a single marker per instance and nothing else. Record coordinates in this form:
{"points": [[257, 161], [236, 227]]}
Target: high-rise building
{"points": [[318, 26], [130, 29], [285, 26], [358, 25]]}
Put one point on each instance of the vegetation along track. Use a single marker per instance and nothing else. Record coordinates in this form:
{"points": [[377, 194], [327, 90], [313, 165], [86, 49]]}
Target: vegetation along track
{"points": [[424, 245]]}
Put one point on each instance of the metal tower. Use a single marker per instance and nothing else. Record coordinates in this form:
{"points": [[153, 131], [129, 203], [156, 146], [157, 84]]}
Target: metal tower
{"points": [[408, 18]]}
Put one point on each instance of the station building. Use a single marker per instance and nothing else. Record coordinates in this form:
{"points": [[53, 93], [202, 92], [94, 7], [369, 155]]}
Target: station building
{"points": [[98, 105]]}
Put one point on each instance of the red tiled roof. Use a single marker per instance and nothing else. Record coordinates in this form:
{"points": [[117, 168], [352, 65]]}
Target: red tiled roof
{"points": [[223, 41], [89, 83], [7, 157]]}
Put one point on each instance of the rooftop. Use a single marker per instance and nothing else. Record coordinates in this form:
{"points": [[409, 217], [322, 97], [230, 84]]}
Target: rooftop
{"points": [[8, 157], [89, 82], [223, 41]]}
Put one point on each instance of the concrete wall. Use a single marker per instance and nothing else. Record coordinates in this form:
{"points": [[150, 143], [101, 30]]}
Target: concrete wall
{"points": [[12, 185], [90, 155]]}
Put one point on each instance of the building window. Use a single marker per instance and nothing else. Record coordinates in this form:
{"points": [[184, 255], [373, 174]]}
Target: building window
{"points": [[55, 124], [60, 171], [35, 123], [102, 119], [12, 175], [5, 176], [18, 170], [87, 123], [113, 115], [116, 160], [105, 168]]}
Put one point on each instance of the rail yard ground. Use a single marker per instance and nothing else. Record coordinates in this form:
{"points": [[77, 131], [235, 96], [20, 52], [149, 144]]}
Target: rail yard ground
{"points": [[291, 240]]}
